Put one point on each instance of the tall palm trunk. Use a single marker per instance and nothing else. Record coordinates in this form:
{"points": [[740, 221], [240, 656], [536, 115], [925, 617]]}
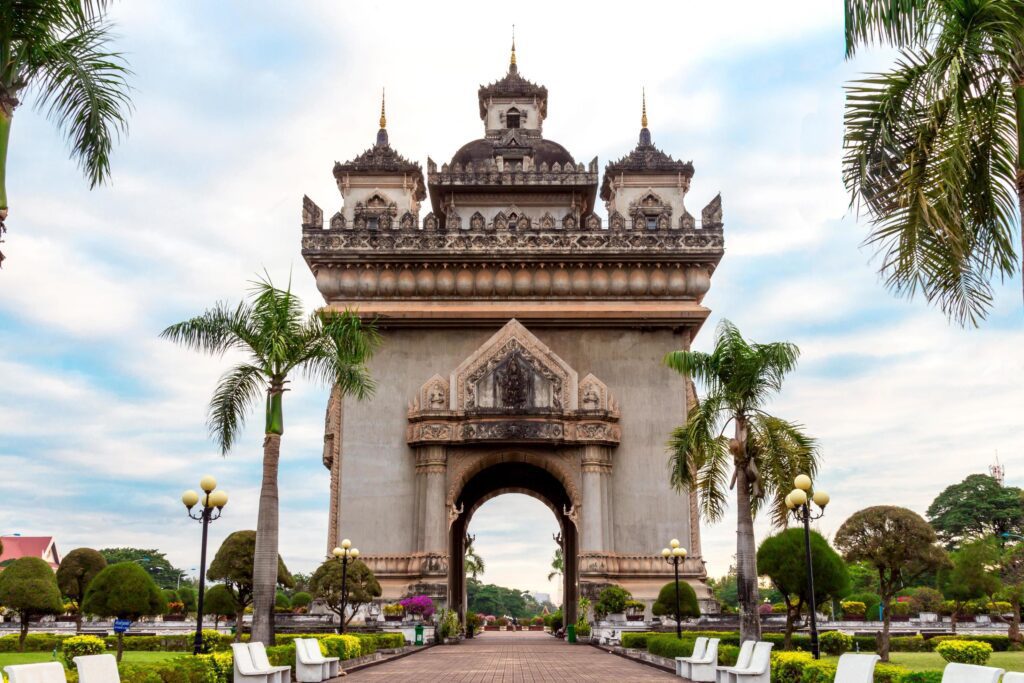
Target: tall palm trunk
{"points": [[746, 557], [264, 578], [1018, 98]]}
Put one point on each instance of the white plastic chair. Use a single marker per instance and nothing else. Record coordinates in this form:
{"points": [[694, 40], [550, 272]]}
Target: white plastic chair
{"points": [[280, 674], [97, 669], [705, 668], [856, 668], [700, 646], [310, 664], [47, 672], [246, 669], [760, 668], [970, 673], [723, 675], [1013, 677]]}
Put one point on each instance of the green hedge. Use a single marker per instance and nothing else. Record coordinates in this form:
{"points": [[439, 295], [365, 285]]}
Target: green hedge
{"points": [[637, 640], [667, 645]]}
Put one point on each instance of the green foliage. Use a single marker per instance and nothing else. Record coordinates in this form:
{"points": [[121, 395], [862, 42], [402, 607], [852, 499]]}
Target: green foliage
{"points": [[124, 591], [978, 507], [637, 640], [79, 646], [281, 602], [612, 600], [582, 629], [972, 574], [782, 559], [925, 599], [666, 602], [728, 654], [170, 595], [726, 590], [853, 608], [342, 646], [667, 645], [835, 643], [359, 583], [447, 624], [77, 570], [28, 586], [233, 564], [302, 599], [153, 561], [788, 667], [554, 620], [964, 651], [487, 598], [187, 595], [921, 677], [220, 601]]}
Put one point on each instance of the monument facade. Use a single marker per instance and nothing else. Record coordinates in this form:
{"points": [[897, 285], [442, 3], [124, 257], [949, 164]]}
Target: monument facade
{"points": [[524, 334]]}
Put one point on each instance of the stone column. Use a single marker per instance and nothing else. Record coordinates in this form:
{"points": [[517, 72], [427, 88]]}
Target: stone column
{"points": [[431, 468], [597, 467], [333, 423]]}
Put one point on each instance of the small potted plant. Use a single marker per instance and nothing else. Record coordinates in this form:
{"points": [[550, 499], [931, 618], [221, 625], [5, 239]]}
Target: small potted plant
{"points": [[501, 623], [612, 603], [393, 612], [853, 610], [634, 611], [419, 607], [582, 632], [490, 623], [537, 623], [175, 611]]}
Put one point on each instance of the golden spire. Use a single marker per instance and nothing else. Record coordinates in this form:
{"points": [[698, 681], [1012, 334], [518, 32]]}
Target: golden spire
{"points": [[643, 117], [383, 120], [512, 62]]}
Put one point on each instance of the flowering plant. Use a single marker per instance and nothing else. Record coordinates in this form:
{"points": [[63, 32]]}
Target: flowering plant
{"points": [[176, 607], [419, 604]]}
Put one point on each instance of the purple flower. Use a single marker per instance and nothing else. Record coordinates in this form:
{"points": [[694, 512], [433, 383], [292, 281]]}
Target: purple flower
{"points": [[418, 604]]}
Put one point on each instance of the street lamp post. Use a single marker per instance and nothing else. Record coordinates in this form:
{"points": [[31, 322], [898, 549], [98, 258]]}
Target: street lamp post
{"points": [[674, 555], [799, 503], [344, 554], [213, 505]]}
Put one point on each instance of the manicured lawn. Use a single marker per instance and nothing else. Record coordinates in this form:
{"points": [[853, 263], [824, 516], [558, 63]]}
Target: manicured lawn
{"points": [[931, 661], [7, 658]]}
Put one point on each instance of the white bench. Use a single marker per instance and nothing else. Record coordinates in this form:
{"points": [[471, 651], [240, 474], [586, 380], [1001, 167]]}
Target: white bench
{"points": [[310, 664], [97, 669], [1013, 677], [854, 668], [705, 667], [47, 672], [760, 668], [970, 673], [723, 675], [700, 646], [252, 665]]}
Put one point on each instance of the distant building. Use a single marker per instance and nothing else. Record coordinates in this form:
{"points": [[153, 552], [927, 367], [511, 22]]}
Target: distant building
{"points": [[541, 598], [17, 547]]}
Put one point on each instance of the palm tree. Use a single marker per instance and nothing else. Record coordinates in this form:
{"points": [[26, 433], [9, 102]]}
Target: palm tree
{"points": [[557, 565], [935, 146], [765, 452], [59, 48], [278, 338], [474, 563]]}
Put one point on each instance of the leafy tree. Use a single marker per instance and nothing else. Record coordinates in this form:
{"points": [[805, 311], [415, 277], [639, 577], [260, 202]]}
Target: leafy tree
{"points": [[557, 565], [782, 559], [187, 595], [863, 577], [474, 563], [611, 600], [76, 571], [487, 598], [765, 453], [281, 601], [301, 582], [360, 587], [170, 595], [302, 599], [279, 339], [726, 590], [28, 586], [124, 591], [220, 602], [233, 564], [977, 507], [153, 561], [58, 48], [898, 543], [970, 576], [1011, 573], [666, 602], [936, 145]]}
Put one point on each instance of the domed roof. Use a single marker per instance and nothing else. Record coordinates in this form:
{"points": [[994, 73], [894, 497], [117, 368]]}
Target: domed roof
{"points": [[542, 151]]}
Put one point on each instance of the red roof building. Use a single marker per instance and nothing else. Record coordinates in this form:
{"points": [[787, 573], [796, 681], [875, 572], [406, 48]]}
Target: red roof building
{"points": [[16, 547]]}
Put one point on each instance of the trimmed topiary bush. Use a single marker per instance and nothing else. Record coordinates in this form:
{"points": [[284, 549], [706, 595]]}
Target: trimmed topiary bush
{"points": [[964, 651], [28, 587], [853, 608], [727, 655], [667, 645], [79, 646], [123, 591], [636, 641], [665, 605], [612, 600], [835, 643]]}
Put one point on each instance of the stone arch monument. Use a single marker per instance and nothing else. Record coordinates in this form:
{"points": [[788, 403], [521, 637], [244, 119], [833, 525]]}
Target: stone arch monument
{"points": [[522, 350]]}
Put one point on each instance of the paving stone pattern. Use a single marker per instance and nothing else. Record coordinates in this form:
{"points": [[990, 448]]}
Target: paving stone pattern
{"points": [[511, 657]]}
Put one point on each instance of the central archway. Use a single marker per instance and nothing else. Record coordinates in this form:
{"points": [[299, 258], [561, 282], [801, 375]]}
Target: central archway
{"points": [[513, 476]]}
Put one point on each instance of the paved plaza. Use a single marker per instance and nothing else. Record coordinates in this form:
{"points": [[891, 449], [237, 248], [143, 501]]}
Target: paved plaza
{"points": [[512, 657]]}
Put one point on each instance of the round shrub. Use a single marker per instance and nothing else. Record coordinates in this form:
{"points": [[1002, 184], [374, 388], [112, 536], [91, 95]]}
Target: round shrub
{"points": [[853, 608], [666, 602], [835, 643], [301, 599], [964, 651], [612, 600], [78, 646]]}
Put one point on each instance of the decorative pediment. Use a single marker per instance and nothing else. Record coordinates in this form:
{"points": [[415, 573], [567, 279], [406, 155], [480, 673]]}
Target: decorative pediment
{"points": [[432, 396], [594, 396], [514, 371]]}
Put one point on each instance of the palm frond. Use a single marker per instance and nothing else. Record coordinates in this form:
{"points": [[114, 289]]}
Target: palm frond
{"points": [[237, 392], [895, 22], [782, 450], [700, 459], [84, 90], [335, 348], [215, 331]]}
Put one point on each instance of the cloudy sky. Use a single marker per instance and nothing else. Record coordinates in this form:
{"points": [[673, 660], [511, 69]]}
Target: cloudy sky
{"points": [[243, 107]]}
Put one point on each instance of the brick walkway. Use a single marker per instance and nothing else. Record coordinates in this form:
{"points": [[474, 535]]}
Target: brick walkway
{"points": [[511, 657]]}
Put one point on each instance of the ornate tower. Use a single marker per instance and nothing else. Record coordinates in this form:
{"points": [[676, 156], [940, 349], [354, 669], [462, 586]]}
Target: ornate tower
{"points": [[523, 347]]}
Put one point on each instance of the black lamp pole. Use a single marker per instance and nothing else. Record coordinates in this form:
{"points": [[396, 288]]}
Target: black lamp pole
{"points": [[343, 554], [213, 505], [799, 502], [674, 555]]}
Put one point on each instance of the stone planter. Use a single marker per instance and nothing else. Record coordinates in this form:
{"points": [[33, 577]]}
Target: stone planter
{"points": [[617, 616], [394, 617], [174, 617], [537, 628], [492, 628], [452, 640], [583, 639]]}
